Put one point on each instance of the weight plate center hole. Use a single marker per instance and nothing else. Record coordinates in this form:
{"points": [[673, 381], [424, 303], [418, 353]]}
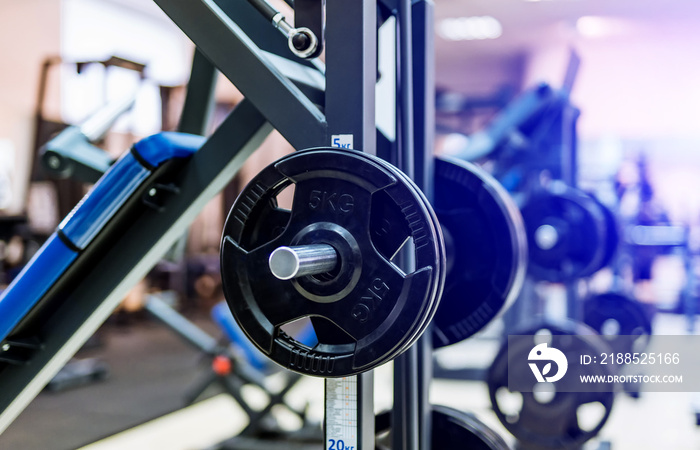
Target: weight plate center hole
{"points": [[333, 262], [546, 237]]}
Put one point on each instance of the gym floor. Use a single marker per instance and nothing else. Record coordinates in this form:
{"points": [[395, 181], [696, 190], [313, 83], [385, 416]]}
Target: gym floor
{"points": [[149, 370], [140, 405]]}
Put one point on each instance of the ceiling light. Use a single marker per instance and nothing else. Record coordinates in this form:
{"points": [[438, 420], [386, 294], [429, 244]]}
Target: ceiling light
{"points": [[470, 28], [597, 26]]}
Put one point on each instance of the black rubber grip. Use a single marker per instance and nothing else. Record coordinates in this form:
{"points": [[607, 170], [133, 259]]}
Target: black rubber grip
{"points": [[265, 8]]}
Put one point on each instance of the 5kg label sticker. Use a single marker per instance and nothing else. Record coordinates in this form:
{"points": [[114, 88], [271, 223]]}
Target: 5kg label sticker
{"points": [[342, 141]]}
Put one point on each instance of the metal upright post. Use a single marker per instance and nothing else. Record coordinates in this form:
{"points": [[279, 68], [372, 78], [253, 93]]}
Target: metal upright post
{"points": [[199, 100], [423, 68], [351, 68], [424, 94], [410, 419], [569, 153], [194, 119], [351, 73], [569, 174]]}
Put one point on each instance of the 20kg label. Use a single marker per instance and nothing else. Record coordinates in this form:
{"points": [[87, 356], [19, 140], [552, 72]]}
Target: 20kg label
{"points": [[338, 445]]}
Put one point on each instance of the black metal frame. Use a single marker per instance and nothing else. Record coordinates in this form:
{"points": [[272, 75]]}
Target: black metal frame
{"points": [[125, 260], [309, 110]]}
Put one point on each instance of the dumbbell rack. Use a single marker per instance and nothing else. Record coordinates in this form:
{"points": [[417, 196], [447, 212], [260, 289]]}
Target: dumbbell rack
{"points": [[563, 164], [281, 91]]}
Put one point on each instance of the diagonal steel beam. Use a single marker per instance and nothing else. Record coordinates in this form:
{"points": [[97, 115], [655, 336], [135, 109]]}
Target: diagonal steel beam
{"points": [[225, 44]]}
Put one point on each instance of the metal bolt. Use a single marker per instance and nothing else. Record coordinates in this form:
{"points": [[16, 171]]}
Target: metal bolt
{"points": [[301, 41], [5, 347], [152, 192]]}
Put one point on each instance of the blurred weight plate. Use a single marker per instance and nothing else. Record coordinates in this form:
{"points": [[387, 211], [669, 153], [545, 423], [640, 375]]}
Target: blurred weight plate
{"points": [[620, 320], [566, 234], [550, 419], [452, 429], [486, 249]]}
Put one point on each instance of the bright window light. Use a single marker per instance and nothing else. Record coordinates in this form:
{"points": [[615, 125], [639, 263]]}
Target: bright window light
{"points": [[470, 28]]}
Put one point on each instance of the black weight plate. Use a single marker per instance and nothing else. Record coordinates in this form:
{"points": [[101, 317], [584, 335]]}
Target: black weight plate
{"points": [[386, 240], [620, 320], [452, 429], [486, 249], [460, 430], [435, 225], [365, 313], [390, 231], [565, 234], [555, 423], [389, 235]]}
